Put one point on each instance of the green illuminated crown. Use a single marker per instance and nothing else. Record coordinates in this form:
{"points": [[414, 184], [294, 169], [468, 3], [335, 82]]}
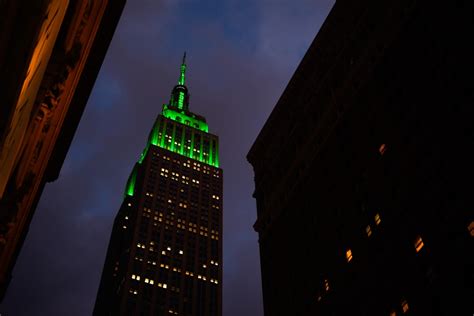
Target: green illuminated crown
{"points": [[178, 107], [191, 140]]}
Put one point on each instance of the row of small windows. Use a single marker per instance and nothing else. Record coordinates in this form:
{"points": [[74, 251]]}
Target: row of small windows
{"points": [[180, 223], [418, 245], [194, 198], [164, 285], [194, 165]]}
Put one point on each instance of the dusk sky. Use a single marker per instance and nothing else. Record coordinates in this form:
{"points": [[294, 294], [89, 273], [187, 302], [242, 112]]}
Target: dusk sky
{"points": [[240, 55]]}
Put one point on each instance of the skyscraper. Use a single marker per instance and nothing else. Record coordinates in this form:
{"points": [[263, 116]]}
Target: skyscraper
{"points": [[363, 173], [165, 252]]}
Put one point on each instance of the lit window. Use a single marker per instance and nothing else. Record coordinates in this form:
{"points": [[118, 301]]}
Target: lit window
{"points": [[471, 228], [382, 149], [404, 306], [165, 286], [377, 219], [368, 230], [349, 255], [326, 284], [418, 243], [180, 252]]}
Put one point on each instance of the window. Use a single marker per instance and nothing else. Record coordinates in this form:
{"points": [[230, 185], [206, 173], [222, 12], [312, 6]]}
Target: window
{"points": [[471, 228], [368, 230], [377, 219], [404, 306], [418, 243], [349, 255]]}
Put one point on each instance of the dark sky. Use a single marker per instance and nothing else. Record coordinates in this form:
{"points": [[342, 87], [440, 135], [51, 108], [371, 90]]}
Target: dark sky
{"points": [[240, 56]]}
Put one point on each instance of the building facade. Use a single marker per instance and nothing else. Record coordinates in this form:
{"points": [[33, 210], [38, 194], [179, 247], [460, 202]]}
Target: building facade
{"points": [[50, 54], [165, 252], [363, 176]]}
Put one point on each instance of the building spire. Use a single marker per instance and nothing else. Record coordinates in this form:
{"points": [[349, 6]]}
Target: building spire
{"points": [[183, 71]]}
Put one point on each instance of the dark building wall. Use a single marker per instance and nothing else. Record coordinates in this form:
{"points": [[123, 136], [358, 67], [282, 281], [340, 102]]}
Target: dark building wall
{"points": [[50, 54], [395, 74]]}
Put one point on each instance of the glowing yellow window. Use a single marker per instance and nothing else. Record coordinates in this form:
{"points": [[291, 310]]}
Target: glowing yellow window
{"points": [[368, 230], [382, 149], [349, 255], [378, 220], [471, 228], [404, 306], [418, 243]]}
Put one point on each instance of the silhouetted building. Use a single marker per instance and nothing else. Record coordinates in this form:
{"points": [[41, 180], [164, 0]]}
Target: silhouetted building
{"points": [[363, 171], [50, 54], [165, 252]]}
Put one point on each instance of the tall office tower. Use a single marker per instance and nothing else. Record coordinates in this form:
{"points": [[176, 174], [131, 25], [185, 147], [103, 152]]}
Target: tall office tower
{"points": [[165, 252], [363, 171], [50, 54]]}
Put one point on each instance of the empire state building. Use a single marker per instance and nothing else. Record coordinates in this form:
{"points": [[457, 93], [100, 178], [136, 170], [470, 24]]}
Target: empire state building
{"points": [[165, 252]]}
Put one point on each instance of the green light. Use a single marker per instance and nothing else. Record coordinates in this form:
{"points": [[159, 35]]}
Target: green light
{"points": [[183, 132], [145, 151], [185, 119], [181, 100], [173, 145], [216, 160], [154, 135], [163, 133], [181, 135], [208, 156], [130, 189], [210, 151], [182, 79]]}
